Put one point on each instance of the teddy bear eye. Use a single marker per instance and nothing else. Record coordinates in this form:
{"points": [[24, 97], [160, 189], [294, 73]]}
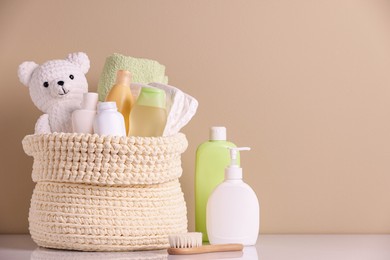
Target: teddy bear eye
{"points": [[71, 76], [45, 84]]}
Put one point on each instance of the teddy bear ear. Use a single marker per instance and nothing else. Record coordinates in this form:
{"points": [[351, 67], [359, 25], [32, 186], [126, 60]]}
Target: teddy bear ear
{"points": [[79, 59], [25, 71]]}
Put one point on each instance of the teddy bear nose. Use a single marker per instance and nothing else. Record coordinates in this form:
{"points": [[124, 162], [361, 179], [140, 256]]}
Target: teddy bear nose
{"points": [[61, 83]]}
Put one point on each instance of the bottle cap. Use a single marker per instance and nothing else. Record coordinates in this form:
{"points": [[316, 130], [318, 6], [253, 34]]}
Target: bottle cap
{"points": [[106, 106], [152, 97], [218, 133], [234, 171], [123, 77], [90, 101]]}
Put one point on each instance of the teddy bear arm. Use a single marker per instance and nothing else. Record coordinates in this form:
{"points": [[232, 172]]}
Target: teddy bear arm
{"points": [[42, 125]]}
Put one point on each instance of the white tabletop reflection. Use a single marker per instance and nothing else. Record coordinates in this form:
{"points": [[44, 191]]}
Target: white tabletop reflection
{"points": [[268, 247], [249, 253]]}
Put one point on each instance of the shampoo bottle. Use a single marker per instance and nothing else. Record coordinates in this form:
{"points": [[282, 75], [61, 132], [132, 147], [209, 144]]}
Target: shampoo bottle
{"points": [[82, 120], [121, 94], [109, 121], [149, 116], [212, 157], [233, 212]]}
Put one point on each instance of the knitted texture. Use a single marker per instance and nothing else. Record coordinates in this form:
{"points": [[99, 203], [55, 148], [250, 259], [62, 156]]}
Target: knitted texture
{"points": [[142, 71], [104, 193], [56, 88]]}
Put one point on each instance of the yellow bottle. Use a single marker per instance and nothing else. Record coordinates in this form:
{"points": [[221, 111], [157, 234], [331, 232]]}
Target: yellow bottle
{"points": [[121, 94], [149, 116]]}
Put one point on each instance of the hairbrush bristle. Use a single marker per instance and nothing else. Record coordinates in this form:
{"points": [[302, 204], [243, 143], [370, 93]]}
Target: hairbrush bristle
{"points": [[185, 240]]}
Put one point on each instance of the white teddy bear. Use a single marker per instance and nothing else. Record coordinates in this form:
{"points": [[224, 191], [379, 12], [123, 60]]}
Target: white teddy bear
{"points": [[56, 88]]}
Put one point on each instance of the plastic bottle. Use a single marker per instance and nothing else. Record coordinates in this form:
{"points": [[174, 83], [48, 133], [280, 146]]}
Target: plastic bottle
{"points": [[233, 212], [149, 116], [121, 94], [211, 159], [83, 119], [109, 121]]}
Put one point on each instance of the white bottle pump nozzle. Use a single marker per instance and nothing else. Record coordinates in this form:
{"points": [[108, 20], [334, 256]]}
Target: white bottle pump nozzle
{"points": [[233, 210], [234, 171]]}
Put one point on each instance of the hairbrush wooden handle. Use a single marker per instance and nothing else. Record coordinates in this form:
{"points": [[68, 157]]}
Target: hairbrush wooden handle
{"points": [[205, 249]]}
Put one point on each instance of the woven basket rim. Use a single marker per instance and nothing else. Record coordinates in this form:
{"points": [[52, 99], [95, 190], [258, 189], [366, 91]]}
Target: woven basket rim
{"points": [[129, 139], [105, 160]]}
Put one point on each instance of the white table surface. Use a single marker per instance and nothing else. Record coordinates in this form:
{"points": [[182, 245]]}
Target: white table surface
{"points": [[275, 247]]}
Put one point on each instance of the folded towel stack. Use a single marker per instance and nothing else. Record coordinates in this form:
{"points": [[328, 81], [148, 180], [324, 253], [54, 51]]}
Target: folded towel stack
{"points": [[143, 71]]}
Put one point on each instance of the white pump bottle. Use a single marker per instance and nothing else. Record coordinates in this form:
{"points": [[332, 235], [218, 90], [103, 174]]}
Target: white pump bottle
{"points": [[233, 212]]}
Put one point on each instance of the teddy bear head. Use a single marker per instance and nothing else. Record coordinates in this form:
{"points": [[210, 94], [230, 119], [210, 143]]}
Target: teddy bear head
{"points": [[56, 81]]}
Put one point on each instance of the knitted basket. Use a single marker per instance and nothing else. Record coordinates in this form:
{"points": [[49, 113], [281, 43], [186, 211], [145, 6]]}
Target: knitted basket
{"points": [[105, 193]]}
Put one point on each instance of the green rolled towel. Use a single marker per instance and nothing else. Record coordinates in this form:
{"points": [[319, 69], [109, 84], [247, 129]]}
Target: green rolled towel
{"points": [[143, 71]]}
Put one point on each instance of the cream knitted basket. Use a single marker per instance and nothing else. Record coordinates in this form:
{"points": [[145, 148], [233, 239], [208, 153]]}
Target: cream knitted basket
{"points": [[104, 193]]}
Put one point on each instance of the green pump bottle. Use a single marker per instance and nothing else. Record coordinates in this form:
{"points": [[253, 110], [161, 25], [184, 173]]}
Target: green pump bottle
{"points": [[212, 158]]}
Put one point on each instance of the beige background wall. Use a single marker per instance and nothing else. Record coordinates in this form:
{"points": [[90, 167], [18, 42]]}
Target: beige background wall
{"points": [[306, 84]]}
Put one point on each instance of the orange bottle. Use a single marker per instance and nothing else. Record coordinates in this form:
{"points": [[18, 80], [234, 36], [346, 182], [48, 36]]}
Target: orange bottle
{"points": [[121, 94]]}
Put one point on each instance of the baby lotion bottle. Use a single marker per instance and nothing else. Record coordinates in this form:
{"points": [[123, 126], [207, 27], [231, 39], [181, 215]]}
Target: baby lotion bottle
{"points": [[121, 94], [83, 119], [109, 121], [212, 157], [149, 116], [233, 212]]}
